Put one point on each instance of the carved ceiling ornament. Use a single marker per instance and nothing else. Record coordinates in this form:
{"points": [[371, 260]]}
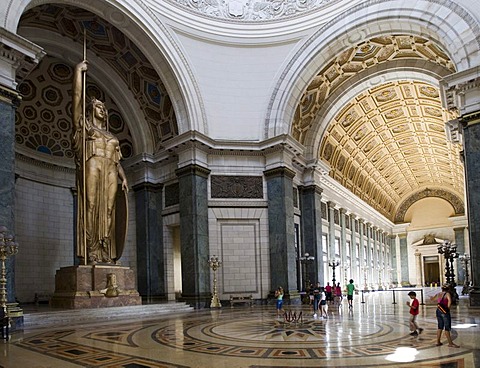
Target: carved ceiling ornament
{"points": [[387, 153], [248, 10], [450, 197], [369, 53]]}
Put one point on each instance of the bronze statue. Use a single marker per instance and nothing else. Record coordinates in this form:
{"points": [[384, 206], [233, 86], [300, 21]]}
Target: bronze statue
{"points": [[97, 159]]}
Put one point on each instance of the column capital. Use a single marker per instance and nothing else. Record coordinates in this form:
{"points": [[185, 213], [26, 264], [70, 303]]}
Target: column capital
{"points": [[460, 91], [151, 187], [193, 170], [331, 205], [279, 171], [343, 211]]}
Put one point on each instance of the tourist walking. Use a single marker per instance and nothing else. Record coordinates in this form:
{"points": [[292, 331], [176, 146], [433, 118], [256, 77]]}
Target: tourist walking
{"points": [[279, 298], [444, 319], [350, 291], [414, 310]]}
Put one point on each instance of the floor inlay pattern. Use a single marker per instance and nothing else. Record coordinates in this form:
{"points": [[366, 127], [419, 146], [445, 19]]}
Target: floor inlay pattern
{"points": [[373, 335]]}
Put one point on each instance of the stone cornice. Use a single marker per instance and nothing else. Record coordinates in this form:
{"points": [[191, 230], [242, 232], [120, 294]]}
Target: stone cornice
{"points": [[21, 54]]}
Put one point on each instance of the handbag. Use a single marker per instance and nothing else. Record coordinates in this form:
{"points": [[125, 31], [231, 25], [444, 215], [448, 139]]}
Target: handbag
{"points": [[442, 308]]}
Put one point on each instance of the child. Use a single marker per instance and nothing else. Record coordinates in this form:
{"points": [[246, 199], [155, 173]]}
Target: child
{"points": [[279, 296], [414, 310]]}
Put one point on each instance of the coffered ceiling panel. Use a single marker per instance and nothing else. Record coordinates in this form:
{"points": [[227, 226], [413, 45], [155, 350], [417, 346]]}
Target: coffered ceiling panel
{"points": [[389, 142]]}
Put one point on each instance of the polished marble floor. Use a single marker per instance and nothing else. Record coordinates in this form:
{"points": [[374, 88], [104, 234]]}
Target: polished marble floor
{"points": [[373, 333]]}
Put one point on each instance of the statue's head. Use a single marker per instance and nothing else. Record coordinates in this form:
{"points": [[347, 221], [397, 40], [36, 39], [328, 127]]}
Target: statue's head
{"points": [[97, 113]]}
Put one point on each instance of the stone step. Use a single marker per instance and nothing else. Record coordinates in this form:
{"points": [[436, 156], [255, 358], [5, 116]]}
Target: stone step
{"points": [[57, 318]]}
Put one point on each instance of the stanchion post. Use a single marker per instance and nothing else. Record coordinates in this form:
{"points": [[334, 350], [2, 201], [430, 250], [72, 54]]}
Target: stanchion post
{"points": [[394, 302], [363, 301]]}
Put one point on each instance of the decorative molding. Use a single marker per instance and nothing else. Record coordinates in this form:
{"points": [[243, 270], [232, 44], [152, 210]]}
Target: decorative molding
{"points": [[193, 170], [226, 186], [451, 198], [245, 10]]}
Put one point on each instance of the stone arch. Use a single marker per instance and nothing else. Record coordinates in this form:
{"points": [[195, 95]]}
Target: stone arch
{"points": [[450, 197], [460, 37], [152, 38]]}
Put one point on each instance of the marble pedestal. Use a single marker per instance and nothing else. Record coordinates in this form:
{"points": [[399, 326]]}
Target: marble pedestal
{"points": [[79, 287]]}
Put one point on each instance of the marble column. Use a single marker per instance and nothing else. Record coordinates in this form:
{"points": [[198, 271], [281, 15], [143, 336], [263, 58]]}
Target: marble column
{"points": [[18, 57], [460, 241], [403, 260], [392, 270], [194, 247], [311, 222], [331, 231], [363, 256], [344, 264], [375, 259], [461, 94], [371, 268], [281, 231], [354, 255], [418, 269], [150, 248]]}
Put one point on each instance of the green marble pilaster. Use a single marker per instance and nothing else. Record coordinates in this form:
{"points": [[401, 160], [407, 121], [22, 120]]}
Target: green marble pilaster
{"points": [[150, 248], [354, 272], [460, 241], [311, 222], [343, 246], [369, 253], [281, 231], [471, 145], [404, 259], [9, 101], [193, 197], [393, 260], [331, 231]]}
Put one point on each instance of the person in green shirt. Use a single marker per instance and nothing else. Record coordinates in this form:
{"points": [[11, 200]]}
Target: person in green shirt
{"points": [[350, 290]]}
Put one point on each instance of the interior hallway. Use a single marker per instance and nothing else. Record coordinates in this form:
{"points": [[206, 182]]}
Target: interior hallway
{"points": [[375, 333]]}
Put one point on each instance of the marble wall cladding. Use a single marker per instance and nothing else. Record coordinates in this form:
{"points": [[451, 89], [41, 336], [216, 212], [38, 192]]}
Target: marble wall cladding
{"points": [[194, 234], [240, 257], [239, 236], [7, 165], [150, 249], [472, 168], [281, 232], [312, 229], [7, 183], [404, 260], [45, 226]]}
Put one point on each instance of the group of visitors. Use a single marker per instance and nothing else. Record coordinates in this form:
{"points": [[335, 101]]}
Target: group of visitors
{"points": [[321, 296]]}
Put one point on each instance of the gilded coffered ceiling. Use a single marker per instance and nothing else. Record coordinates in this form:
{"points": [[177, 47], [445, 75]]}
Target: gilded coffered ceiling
{"points": [[388, 143]]}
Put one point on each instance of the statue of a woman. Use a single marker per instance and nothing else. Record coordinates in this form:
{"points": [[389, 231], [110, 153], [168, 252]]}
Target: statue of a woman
{"points": [[97, 158]]}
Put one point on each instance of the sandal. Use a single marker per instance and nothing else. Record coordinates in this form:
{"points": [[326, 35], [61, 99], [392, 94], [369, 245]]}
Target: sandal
{"points": [[453, 346], [439, 344]]}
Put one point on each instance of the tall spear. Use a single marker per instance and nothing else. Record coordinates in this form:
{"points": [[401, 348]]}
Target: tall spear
{"points": [[84, 148]]}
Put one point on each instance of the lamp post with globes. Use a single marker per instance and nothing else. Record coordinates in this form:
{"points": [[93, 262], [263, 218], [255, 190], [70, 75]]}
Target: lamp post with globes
{"points": [[334, 264], [214, 264], [465, 259], [449, 251], [305, 260]]}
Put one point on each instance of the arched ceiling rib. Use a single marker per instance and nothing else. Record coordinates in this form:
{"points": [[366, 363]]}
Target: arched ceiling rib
{"points": [[389, 141]]}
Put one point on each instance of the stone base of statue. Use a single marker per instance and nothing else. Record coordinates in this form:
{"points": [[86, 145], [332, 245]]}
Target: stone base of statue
{"points": [[95, 286]]}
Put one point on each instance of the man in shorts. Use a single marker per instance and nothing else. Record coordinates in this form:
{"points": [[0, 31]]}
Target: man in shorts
{"points": [[350, 290]]}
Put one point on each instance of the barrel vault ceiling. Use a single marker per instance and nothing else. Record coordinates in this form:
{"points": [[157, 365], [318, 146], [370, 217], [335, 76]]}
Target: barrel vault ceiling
{"points": [[388, 144]]}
